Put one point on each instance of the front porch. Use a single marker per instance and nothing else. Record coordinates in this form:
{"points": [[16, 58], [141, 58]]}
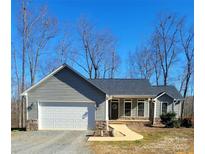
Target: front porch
{"points": [[129, 110]]}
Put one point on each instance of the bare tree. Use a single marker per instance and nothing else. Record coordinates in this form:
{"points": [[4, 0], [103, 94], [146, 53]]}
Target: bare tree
{"points": [[95, 45], [141, 63], [111, 63], [131, 66], [34, 27], [115, 63], [24, 38], [165, 41], [63, 53], [186, 40], [23, 29], [16, 81], [45, 30], [85, 31], [64, 45], [155, 61], [156, 66]]}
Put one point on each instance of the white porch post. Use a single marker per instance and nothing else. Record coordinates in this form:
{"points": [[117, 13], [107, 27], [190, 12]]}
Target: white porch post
{"points": [[148, 103], [106, 113], [154, 113]]}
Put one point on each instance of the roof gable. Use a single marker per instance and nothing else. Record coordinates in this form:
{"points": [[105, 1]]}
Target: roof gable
{"points": [[169, 90], [55, 72]]}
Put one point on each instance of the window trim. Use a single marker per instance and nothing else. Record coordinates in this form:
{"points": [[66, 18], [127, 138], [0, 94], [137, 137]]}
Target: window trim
{"points": [[128, 101], [140, 101], [161, 106]]}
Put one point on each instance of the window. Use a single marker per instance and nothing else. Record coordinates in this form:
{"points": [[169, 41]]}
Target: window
{"points": [[128, 107], [141, 109], [164, 107]]}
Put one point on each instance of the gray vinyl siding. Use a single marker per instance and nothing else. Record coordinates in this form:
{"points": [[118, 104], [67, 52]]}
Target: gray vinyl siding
{"points": [[176, 107], [66, 86], [158, 109], [160, 100]]}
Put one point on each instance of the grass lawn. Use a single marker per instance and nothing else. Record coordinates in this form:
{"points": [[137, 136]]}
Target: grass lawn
{"points": [[156, 141]]}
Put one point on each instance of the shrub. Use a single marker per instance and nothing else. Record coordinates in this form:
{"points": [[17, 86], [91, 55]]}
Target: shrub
{"points": [[177, 123], [186, 122], [169, 119]]}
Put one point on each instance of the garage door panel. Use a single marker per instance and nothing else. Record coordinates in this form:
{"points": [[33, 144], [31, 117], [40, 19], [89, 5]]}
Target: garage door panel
{"points": [[72, 116]]}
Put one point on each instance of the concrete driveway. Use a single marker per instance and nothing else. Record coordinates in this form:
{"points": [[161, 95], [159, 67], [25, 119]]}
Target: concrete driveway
{"points": [[49, 142]]}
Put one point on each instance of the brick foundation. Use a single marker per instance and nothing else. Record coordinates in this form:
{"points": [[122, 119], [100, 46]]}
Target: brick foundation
{"points": [[32, 125]]}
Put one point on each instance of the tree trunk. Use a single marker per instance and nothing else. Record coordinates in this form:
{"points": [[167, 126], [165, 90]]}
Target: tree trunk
{"points": [[187, 79], [23, 58], [96, 74], [186, 87], [157, 78], [165, 80]]}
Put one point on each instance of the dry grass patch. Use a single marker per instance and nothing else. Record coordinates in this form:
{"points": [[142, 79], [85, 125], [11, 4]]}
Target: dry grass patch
{"points": [[156, 140]]}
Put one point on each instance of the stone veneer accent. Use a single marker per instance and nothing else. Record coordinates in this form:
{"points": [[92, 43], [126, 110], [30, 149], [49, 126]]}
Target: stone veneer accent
{"points": [[101, 129], [100, 125], [32, 125], [157, 121]]}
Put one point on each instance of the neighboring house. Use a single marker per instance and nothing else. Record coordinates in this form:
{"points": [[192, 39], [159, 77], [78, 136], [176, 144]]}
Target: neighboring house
{"points": [[65, 99]]}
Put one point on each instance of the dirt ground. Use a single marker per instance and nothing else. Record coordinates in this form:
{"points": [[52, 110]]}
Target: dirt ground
{"points": [[156, 141]]}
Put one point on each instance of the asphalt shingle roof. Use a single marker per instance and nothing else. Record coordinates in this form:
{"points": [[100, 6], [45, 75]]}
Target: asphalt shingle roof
{"points": [[133, 87], [170, 90], [123, 86]]}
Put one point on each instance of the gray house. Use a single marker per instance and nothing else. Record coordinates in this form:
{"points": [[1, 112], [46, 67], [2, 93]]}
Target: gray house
{"points": [[65, 99]]}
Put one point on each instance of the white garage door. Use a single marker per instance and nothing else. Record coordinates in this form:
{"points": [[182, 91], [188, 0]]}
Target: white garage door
{"points": [[68, 116]]}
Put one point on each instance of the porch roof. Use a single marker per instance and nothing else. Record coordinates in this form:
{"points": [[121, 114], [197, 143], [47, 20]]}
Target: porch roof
{"points": [[170, 90]]}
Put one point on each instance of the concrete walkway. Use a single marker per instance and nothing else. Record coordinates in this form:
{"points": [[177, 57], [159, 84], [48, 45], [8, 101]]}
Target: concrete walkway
{"points": [[127, 134]]}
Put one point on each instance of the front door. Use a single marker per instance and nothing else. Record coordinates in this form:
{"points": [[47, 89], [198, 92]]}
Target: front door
{"points": [[114, 110]]}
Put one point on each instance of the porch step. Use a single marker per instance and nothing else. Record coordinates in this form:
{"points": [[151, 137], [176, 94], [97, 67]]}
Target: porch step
{"points": [[138, 122], [116, 122]]}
